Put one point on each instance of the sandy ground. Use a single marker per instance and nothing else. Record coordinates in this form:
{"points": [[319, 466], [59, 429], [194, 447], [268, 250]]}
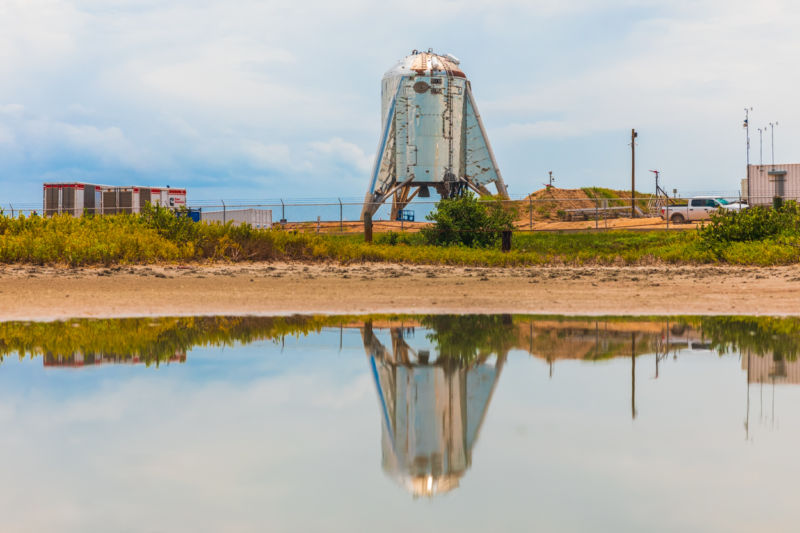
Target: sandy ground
{"points": [[647, 223], [42, 293]]}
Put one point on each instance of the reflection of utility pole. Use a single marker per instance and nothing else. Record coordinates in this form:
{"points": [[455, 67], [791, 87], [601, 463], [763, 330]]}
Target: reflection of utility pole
{"points": [[747, 418], [666, 349], [633, 376], [530, 338], [772, 422], [596, 340], [658, 356]]}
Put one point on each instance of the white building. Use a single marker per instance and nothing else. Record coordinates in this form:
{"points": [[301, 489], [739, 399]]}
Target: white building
{"points": [[766, 182], [258, 218]]}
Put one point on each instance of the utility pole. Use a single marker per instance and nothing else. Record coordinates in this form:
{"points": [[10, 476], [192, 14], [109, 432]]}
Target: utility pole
{"points": [[772, 142], [633, 172], [550, 172], [761, 147], [747, 135]]}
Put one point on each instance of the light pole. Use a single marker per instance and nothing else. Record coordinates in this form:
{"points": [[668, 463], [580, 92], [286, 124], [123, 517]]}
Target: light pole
{"points": [[772, 141], [760, 147], [747, 135]]}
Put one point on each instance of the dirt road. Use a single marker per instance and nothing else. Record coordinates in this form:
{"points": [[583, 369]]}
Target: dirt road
{"points": [[43, 293]]}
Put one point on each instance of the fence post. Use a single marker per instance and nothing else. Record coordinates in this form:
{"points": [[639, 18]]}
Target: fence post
{"points": [[283, 213], [12, 210], [367, 227], [318, 219], [596, 213], [341, 222], [224, 212], [530, 212]]}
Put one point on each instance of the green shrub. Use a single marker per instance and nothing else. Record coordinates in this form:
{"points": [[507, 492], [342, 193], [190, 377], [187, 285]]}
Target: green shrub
{"points": [[467, 221], [390, 237], [754, 224]]}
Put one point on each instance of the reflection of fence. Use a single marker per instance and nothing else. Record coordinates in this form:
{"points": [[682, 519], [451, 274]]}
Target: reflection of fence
{"points": [[343, 215], [80, 359]]}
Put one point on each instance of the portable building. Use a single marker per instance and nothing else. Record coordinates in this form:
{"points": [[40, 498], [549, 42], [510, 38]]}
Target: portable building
{"points": [[119, 200], [74, 198], [165, 197], [764, 183], [257, 218], [71, 198]]}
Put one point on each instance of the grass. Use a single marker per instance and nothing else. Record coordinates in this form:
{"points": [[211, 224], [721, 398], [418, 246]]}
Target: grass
{"points": [[159, 236]]}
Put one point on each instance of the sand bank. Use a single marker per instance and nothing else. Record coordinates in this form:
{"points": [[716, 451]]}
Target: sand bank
{"points": [[46, 293]]}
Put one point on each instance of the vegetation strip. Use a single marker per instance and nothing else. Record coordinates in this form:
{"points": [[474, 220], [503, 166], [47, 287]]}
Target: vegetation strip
{"points": [[753, 237]]}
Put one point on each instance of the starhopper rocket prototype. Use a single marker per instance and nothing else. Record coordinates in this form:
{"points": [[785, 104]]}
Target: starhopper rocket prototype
{"points": [[432, 136]]}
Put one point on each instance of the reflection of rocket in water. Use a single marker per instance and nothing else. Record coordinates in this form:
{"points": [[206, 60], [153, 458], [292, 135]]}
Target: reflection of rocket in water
{"points": [[431, 412]]}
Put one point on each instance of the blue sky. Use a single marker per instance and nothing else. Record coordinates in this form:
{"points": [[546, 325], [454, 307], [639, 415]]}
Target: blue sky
{"points": [[254, 99]]}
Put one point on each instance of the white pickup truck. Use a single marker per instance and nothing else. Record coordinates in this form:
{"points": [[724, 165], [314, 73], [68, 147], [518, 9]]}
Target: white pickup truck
{"points": [[699, 208]]}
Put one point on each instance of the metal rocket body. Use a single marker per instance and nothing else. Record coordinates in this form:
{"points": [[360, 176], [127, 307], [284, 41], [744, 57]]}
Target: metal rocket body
{"points": [[432, 135]]}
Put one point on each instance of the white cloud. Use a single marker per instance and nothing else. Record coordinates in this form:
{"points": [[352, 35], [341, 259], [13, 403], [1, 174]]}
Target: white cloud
{"points": [[267, 156], [198, 88], [12, 110], [41, 137], [348, 153], [6, 135]]}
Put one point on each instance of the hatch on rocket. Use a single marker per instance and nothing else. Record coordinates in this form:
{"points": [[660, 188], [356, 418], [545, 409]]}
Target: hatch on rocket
{"points": [[432, 135]]}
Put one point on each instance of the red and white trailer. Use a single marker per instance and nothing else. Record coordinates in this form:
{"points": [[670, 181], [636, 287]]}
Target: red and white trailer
{"points": [[175, 198]]}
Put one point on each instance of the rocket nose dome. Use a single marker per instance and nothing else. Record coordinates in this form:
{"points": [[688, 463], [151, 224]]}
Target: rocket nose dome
{"points": [[426, 64]]}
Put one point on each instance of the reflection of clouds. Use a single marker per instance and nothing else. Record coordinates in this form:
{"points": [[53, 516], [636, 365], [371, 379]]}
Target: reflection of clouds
{"points": [[198, 455], [251, 439]]}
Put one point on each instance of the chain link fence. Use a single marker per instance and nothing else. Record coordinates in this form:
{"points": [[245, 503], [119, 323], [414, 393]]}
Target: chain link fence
{"points": [[343, 215]]}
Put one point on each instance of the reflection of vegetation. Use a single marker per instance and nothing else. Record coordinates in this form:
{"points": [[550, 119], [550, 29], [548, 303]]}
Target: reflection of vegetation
{"points": [[590, 343], [467, 338], [148, 339], [463, 339], [779, 337]]}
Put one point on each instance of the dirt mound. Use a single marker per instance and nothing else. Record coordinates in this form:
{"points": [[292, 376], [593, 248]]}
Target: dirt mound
{"points": [[551, 203], [564, 198]]}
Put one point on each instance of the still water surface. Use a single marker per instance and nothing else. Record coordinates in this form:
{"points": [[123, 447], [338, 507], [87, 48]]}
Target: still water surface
{"points": [[398, 423]]}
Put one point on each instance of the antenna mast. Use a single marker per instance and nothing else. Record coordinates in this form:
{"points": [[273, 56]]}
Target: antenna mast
{"points": [[661, 198]]}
